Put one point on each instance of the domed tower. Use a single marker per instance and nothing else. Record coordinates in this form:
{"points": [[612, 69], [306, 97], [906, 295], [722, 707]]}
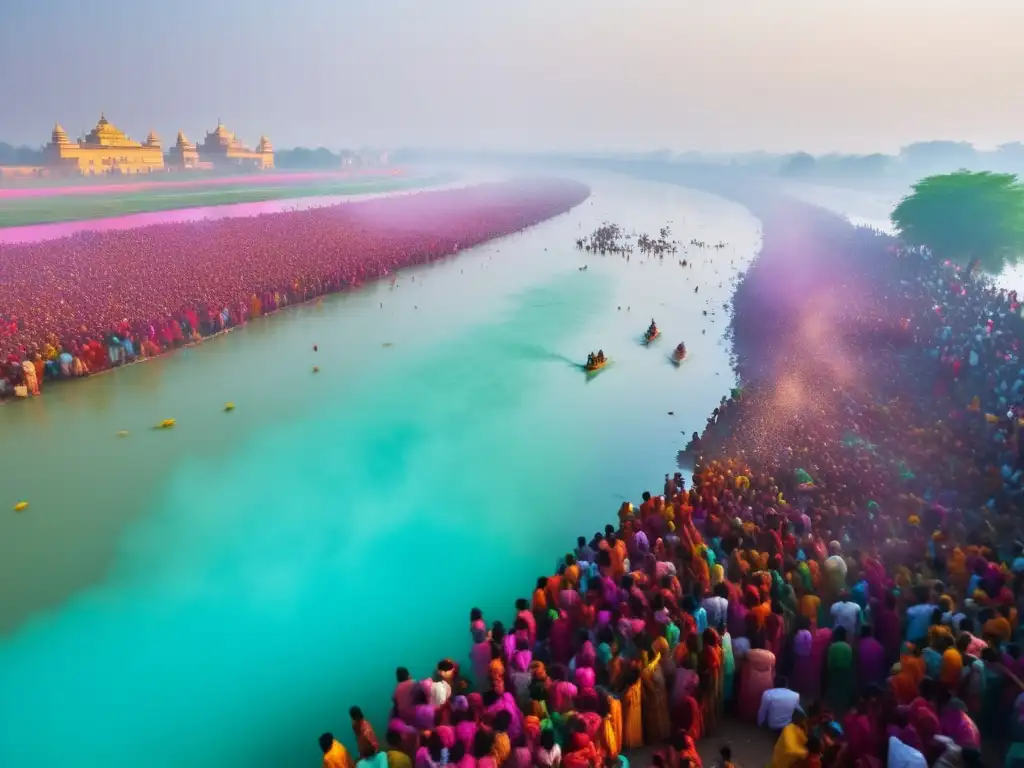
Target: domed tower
{"points": [[59, 136], [152, 140], [266, 152]]}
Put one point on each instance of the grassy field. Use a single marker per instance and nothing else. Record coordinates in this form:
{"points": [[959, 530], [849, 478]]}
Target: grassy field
{"points": [[49, 210]]}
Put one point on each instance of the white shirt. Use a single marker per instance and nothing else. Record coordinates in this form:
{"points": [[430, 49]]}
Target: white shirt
{"points": [[717, 609], [847, 616], [902, 756], [777, 708]]}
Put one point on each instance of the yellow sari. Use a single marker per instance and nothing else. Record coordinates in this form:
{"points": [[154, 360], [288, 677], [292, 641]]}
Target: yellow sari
{"points": [[632, 718], [791, 747]]}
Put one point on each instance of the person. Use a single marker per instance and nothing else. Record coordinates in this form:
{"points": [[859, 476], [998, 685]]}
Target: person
{"points": [[591, 360], [903, 756], [396, 757], [680, 351], [846, 614], [600, 355], [335, 754], [725, 757], [652, 330], [371, 758], [549, 754], [791, 746], [778, 705], [366, 739]]}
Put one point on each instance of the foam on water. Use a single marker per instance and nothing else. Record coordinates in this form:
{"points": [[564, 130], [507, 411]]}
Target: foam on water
{"points": [[222, 592]]}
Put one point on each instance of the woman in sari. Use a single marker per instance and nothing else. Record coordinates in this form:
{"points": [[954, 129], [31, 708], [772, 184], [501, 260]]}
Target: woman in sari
{"points": [[791, 747], [758, 677], [840, 674], [712, 677], [728, 668], [822, 639], [655, 700], [632, 714], [805, 681]]}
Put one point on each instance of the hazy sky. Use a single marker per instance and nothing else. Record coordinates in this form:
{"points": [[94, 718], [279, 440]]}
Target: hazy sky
{"points": [[852, 75]]}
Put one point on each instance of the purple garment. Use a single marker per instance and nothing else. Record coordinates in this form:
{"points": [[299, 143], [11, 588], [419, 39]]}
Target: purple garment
{"points": [[804, 679], [871, 666]]}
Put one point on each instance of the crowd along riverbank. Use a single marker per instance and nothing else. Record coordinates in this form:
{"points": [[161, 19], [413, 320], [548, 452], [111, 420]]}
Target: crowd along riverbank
{"points": [[97, 300], [850, 537]]}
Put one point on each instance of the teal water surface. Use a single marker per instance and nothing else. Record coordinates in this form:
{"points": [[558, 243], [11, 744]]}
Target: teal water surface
{"points": [[222, 592]]}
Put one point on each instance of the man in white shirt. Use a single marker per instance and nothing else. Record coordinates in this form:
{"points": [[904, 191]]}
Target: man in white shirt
{"points": [[904, 756], [717, 606], [846, 614], [778, 705]]}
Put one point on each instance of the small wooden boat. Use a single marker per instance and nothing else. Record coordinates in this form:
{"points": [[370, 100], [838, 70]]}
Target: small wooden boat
{"points": [[654, 337], [590, 370]]}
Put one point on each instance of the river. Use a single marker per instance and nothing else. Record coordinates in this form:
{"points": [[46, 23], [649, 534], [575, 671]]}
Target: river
{"points": [[221, 592]]}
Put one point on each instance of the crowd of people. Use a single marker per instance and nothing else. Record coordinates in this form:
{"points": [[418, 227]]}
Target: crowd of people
{"points": [[845, 568], [92, 301]]}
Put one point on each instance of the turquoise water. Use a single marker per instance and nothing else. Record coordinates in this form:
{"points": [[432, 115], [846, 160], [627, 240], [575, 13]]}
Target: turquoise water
{"points": [[222, 592]]}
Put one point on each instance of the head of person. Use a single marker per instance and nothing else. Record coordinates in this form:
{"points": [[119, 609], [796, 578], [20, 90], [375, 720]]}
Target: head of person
{"points": [[522, 604], [781, 681], [475, 614], [456, 753], [326, 742], [547, 739], [401, 674], [839, 635], [865, 631], [726, 754], [393, 739], [355, 713]]}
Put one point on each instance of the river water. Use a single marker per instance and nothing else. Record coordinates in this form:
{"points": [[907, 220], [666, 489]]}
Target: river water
{"points": [[220, 593]]}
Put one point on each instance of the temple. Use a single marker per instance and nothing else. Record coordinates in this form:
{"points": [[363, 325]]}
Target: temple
{"points": [[105, 150], [224, 150], [184, 156]]}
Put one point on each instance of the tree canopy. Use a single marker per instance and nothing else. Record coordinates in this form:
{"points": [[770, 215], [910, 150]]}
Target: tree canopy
{"points": [[967, 217]]}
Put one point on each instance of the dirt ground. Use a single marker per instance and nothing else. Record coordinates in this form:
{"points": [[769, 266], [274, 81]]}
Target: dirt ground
{"points": [[751, 746]]}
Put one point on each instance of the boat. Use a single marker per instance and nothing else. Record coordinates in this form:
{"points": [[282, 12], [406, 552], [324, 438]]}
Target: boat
{"points": [[676, 358], [649, 339], [590, 370]]}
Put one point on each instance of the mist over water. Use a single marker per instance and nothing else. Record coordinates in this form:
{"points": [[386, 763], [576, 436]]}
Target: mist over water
{"points": [[221, 593]]}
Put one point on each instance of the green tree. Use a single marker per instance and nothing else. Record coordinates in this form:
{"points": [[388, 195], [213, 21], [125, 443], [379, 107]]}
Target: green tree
{"points": [[973, 218]]}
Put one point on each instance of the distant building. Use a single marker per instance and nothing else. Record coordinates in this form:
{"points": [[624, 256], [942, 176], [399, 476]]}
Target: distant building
{"points": [[105, 150], [223, 150], [184, 156]]}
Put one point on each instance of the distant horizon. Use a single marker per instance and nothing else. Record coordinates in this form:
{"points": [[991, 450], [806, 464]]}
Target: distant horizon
{"points": [[525, 76]]}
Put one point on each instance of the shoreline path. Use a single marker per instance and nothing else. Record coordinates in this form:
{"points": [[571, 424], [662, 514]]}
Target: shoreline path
{"points": [[850, 533]]}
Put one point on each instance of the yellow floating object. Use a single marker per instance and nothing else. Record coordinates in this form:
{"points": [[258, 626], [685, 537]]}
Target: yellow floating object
{"points": [[166, 424], [122, 433], [21, 506], [229, 406]]}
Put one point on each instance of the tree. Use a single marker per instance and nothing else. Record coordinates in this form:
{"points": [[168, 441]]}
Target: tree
{"points": [[973, 218], [800, 164]]}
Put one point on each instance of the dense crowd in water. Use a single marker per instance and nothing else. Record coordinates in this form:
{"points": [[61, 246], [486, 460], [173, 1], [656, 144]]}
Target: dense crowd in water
{"points": [[93, 301], [845, 568]]}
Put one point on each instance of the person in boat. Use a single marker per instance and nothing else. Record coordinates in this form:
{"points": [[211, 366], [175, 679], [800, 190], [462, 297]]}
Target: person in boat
{"points": [[600, 355], [680, 351], [653, 330], [591, 360]]}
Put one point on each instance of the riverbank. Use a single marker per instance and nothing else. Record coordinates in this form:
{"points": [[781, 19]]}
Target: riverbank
{"points": [[865, 440], [95, 301]]}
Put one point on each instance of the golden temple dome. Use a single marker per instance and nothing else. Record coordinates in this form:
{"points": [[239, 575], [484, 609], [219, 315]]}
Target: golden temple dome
{"points": [[59, 135], [152, 140], [264, 145]]}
